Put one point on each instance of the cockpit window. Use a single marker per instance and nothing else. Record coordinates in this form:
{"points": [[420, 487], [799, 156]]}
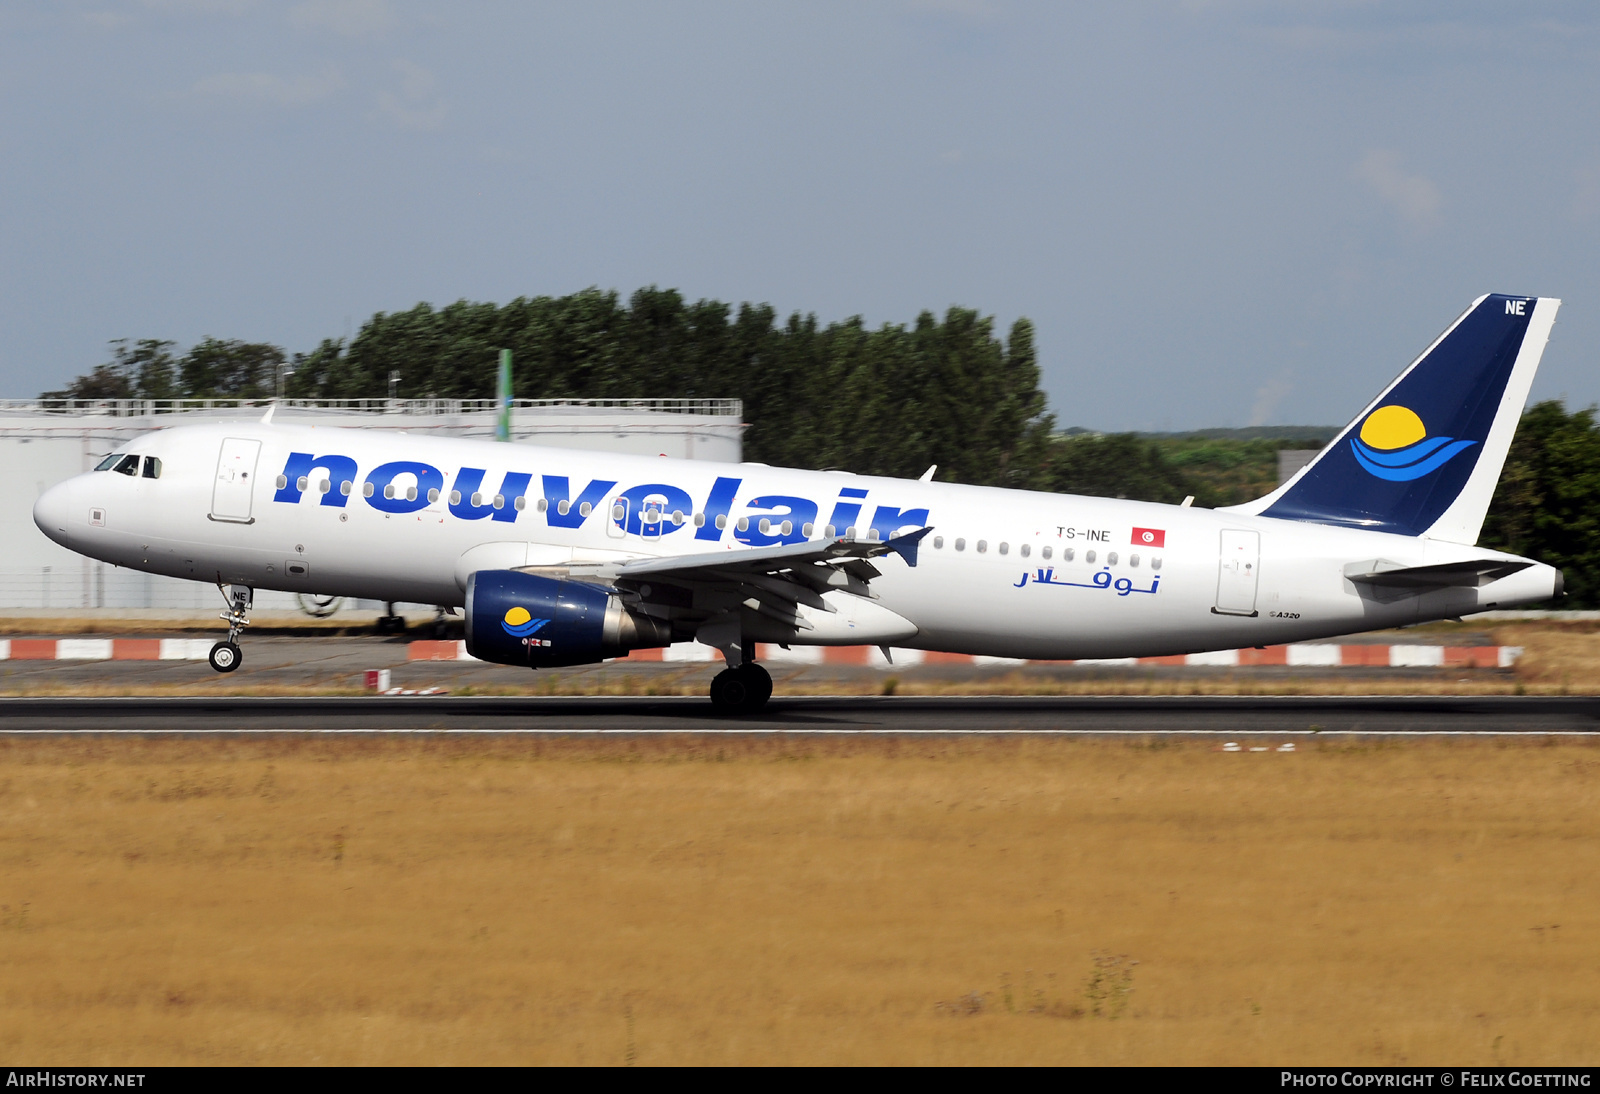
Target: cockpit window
{"points": [[152, 467], [107, 463], [128, 465]]}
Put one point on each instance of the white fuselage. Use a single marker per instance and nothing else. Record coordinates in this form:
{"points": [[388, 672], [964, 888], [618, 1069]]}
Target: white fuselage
{"points": [[1003, 572]]}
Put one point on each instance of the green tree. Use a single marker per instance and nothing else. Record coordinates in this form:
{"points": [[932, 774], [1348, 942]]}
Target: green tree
{"points": [[888, 401], [1547, 506], [230, 369], [1116, 465], [144, 370]]}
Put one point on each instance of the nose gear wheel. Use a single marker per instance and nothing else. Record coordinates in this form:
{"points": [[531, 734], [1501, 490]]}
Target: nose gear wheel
{"points": [[226, 655]]}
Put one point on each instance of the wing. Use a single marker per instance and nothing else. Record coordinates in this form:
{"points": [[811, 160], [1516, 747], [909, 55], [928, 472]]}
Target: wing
{"points": [[772, 581]]}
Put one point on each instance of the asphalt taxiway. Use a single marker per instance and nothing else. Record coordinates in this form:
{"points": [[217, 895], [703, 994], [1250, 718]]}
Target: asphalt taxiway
{"points": [[908, 715]]}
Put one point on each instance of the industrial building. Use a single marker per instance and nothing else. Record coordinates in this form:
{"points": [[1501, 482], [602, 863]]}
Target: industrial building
{"points": [[44, 441]]}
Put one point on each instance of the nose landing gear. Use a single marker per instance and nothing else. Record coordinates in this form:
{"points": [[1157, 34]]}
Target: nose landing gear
{"points": [[741, 690], [226, 655]]}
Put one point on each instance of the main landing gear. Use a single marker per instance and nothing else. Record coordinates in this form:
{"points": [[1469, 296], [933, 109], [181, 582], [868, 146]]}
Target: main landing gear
{"points": [[742, 690], [391, 623], [226, 655]]}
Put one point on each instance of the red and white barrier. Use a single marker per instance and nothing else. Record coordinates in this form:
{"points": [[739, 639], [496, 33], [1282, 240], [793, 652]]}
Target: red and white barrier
{"points": [[1307, 655], [105, 649], [1303, 655]]}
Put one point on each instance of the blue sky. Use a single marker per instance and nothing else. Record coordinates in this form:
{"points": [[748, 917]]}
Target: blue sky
{"points": [[1215, 213]]}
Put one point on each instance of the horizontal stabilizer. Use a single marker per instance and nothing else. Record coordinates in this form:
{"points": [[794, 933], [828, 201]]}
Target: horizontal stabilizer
{"points": [[1471, 574]]}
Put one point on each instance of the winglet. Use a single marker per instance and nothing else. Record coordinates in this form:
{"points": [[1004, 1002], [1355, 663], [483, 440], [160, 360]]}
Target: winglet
{"points": [[906, 546], [266, 419]]}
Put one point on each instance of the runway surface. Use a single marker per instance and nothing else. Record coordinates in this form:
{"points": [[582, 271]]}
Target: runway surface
{"points": [[1212, 715]]}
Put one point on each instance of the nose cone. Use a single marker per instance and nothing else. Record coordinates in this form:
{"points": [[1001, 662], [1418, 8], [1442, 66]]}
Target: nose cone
{"points": [[53, 512]]}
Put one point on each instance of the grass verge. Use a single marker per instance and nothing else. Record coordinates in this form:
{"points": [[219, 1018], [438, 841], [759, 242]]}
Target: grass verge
{"points": [[706, 900]]}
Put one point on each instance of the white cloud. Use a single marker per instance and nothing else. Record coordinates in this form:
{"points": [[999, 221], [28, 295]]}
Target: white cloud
{"points": [[348, 17], [415, 106], [1269, 395], [105, 20], [1414, 198], [267, 87]]}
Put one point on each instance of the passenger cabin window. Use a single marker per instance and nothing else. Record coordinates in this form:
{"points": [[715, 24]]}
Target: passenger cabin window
{"points": [[1088, 556], [1133, 560], [1111, 559], [152, 468], [1046, 551], [938, 543], [1066, 556], [983, 545], [961, 544], [1155, 564], [1005, 548], [1025, 550]]}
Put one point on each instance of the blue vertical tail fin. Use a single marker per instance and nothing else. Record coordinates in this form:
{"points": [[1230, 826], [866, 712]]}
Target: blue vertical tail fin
{"points": [[1423, 458]]}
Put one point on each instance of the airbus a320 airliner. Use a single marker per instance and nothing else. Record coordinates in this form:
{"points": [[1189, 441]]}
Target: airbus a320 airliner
{"points": [[566, 558]]}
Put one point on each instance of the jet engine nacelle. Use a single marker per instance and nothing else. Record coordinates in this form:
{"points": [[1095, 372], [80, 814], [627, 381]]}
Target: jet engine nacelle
{"points": [[521, 619]]}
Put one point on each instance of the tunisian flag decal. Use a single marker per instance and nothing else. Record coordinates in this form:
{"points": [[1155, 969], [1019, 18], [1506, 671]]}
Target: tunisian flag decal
{"points": [[1149, 537]]}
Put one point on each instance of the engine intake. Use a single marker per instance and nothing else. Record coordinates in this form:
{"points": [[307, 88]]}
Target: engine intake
{"points": [[522, 619]]}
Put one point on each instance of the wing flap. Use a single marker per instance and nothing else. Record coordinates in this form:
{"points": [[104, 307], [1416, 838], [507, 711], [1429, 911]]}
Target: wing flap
{"points": [[771, 560]]}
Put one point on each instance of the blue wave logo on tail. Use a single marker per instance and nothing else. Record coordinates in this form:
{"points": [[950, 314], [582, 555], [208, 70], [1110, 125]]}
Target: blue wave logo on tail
{"points": [[1400, 467], [1394, 445], [519, 622]]}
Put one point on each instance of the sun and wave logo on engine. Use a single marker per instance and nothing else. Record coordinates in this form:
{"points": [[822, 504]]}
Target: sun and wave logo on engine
{"points": [[519, 622], [1394, 445]]}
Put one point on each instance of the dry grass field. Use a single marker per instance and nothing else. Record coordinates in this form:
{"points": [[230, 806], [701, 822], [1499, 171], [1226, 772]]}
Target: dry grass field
{"points": [[704, 900]]}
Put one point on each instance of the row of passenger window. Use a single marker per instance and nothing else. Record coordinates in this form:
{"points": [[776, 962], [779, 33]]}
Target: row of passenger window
{"points": [[1068, 554]]}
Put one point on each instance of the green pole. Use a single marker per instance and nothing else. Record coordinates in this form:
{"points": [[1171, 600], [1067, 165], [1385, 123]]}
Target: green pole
{"points": [[502, 428]]}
